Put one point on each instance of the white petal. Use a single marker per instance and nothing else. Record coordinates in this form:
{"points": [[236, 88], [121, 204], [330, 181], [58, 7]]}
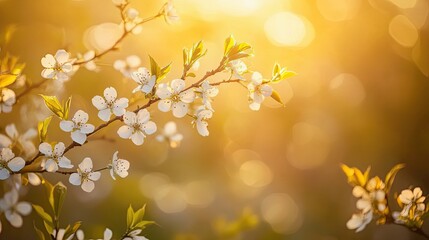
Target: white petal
{"points": [[119, 106], [266, 90], [62, 56], [88, 186], [149, 127], [125, 132], [202, 128], [64, 162], [187, 96], [177, 85], [78, 137], [137, 138], [48, 61], [164, 105], [255, 106], [16, 164], [4, 174], [133, 61], [6, 154], [51, 165], [143, 116], [163, 91], [105, 114], [180, 109], [66, 126], [59, 149], [61, 76], [46, 149], [94, 176], [129, 118], [354, 222], [4, 141], [170, 128], [99, 102], [80, 117], [34, 179], [14, 218], [256, 78], [107, 234], [75, 179], [24, 208], [119, 65], [86, 165], [87, 128], [11, 131], [110, 94]]}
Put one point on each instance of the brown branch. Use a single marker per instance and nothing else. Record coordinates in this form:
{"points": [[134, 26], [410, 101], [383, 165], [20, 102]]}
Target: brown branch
{"points": [[30, 88]]}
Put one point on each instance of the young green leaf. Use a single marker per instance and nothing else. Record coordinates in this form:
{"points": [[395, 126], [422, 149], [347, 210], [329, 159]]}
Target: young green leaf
{"points": [[229, 43], [67, 108], [71, 230], [44, 215], [130, 217], [7, 79], [138, 215], [39, 232], [390, 176], [54, 105], [276, 96], [42, 128], [58, 195]]}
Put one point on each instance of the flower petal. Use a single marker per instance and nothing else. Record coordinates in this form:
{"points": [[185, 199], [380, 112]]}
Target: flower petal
{"points": [[105, 114], [16, 164], [78, 137], [75, 179], [14, 218], [88, 186], [59, 149], [24, 208], [66, 126], [87, 128], [110, 94], [125, 132], [80, 117], [180, 109], [99, 102], [164, 105], [94, 176], [143, 116], [62, 56], [137, 138], [129, 118], [51, 165], [177, 85], [48, 61], [46, 149], [86, 165]]}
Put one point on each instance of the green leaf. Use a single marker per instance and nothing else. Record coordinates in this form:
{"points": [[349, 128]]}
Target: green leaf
{"points": [[229, 43], [280, 74], [58, 195], [7, 79], [163, 72], [48, 227], [390, 176], [185, 57], [71, 230], [276, 96], [143, 224], [67, 108], [45, 216], [154, 67], [130, 217], [138, 215], [39, 232], [54, 105], [42, 128], [190, 74]]}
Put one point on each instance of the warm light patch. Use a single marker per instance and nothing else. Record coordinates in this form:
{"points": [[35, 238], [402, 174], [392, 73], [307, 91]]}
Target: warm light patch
{"points": [[338, 10], [281, 212], [289, 29], [255, 173], [404, 3], [403, 31]]}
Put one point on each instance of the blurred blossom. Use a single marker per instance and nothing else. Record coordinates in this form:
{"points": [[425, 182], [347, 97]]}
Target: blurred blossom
{"points": [[128, 66], [281, 212], [403, 31], [289, 29], [170, 135], [102, 36]]}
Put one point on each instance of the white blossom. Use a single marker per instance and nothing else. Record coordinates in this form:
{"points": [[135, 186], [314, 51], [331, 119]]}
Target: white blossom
{"points": [[238, 68], [132, 21], [144, 79], [60, 234], [9, 163], [170, 13], [170, 134], [85, 177], [174, 98], [207, 93], [13, 209], [54, 157], [136, 125], [200, 122], [409, 198], [258, 91], [118, 167], [23, 141], [109, 104], [88, 58], [58, 67], [78, 126], [7, 99], [359, 221], [127, 66], [134, 235]]}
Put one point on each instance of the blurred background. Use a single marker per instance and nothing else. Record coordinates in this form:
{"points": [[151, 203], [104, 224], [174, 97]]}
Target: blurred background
{"points": [[361, 98]]}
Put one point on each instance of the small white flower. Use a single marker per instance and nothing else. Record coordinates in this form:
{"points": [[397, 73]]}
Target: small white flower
{"points": [[88, 58], [170, 13], [409, 198], [173, 98], [134, 235], [109, 104], [207, 93], [118, 167], [132, 21], [54, 157], [201, 116], [7, 99], [127, 66], [195, 66], [58, 67], [136, 126], [258, 91], [9, 163], [359, 221], [238, 68], [78, 126], [85, 176], [24, 141], [13, 209], [170, 134], [60, 235], [144, 79]]}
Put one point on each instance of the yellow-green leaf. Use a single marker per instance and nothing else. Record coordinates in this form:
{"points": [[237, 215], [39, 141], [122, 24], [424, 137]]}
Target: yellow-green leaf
{"points": [[276, 96], [190, 74], [39, 232], [45, 216], [130, 217], [390, 176], [7, 79], [229, 43], [54, 105], [138, 215], [71, 230], [67, 108], [58, 192], [42, 128]]}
